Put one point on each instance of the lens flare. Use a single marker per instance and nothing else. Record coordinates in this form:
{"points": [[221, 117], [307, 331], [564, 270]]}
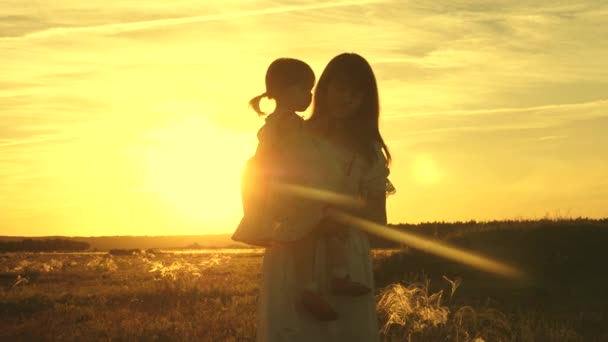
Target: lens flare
{"points": [[319, 195], [411, 240], [429, 246]]}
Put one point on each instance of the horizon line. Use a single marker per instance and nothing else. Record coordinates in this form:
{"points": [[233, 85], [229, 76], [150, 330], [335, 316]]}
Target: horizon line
{"points": [[471, 221]]}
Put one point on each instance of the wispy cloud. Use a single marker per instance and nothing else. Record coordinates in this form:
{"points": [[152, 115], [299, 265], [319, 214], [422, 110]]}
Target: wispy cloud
{"points": [[443, 58], [35, 139], [551, 137], [148, 24], [507, 127], [471, 112]]}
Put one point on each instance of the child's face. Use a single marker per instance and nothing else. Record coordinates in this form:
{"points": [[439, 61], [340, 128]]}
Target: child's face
{"points": [[300, 96], [342, 99]]}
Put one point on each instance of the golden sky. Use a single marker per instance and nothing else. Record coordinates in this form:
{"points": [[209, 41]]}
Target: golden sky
{"points": [[131, 118]]}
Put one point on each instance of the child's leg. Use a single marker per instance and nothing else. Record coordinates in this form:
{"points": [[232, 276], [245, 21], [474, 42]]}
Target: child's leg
{"points": [[336, 254], [310, 299], [341, 283], [304, 259]]}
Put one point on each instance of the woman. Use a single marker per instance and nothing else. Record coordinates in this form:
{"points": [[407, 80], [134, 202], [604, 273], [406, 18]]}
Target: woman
{"points": [[344, 124]]}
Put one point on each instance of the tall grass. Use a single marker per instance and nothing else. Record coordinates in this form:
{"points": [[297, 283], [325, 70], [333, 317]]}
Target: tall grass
{"points": [[212, 297], [162, 297], [413, 313]]}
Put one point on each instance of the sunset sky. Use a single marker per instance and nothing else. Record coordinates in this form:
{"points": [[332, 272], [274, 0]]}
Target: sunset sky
{"points": [[131, 117]]}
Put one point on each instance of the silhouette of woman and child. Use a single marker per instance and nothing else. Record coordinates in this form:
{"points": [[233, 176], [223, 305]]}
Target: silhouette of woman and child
{"points": [[317, 280]]}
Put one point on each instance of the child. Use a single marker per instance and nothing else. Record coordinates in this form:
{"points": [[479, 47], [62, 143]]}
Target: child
{"points": [[289, 82], [271, 216]]}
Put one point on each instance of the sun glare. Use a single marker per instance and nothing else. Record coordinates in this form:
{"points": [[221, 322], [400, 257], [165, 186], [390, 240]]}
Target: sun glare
{"points": [[425, 170], [196, 166]]}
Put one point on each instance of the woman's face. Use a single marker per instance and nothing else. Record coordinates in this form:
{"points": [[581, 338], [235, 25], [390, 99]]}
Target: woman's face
{"points": [[342, 100]]}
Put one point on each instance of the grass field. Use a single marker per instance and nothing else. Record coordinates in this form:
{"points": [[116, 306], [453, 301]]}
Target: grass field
{"points": [[212, 296]]}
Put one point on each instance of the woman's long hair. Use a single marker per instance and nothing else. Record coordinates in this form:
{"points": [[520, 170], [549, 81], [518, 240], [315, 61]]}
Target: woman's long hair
{"points": [[360, 131]]}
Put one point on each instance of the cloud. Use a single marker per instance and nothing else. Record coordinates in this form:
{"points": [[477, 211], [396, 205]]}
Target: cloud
{"points": [[15, 25], [591, 106], [142, 25], [35, 139], [447, 58], [35, 104], [73, 75], [563, 129], [12, 86], [551, 137]]}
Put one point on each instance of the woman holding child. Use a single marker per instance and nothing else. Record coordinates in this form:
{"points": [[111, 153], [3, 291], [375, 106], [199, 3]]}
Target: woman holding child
{"points": [[317, 280]]}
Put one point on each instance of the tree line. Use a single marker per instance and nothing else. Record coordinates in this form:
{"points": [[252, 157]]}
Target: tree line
{"points": [[43, 245]]}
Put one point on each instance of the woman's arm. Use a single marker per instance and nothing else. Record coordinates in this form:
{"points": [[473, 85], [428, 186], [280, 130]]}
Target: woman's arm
{"points": [[375, 210], [374, 188]]}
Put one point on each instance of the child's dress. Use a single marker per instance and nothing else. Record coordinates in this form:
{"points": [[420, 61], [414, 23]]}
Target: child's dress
{"points": [[287, 162]]}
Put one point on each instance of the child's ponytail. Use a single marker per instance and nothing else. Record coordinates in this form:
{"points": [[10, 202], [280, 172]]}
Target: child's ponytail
{"points": [[255, 104]]}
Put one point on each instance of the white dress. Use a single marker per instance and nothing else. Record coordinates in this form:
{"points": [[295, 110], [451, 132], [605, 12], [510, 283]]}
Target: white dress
{"points": [[279, 317]]}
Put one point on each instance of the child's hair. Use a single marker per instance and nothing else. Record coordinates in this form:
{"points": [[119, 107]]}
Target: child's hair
{"points": [[282, 73]]}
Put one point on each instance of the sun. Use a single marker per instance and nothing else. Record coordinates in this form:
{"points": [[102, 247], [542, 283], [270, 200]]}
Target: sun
{"points": [[424, 170], [195, 167]]}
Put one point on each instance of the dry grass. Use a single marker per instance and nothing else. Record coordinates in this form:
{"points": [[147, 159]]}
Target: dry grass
{"points": [[153, 297], [563, 297], [412, 312], [212, 297]]}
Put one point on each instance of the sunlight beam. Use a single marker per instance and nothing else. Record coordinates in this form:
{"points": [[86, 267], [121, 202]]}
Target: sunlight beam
{"points": [[429, 246], [411, 240], [319, 195]]}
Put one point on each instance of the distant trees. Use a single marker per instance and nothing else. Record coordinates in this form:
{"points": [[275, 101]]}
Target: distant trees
{"points": [[450, 230], [43, 245]]}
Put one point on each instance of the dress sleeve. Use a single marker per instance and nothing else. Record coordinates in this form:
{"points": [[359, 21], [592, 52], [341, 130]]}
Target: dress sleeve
{"points": [[375, 179], [373, 188]]}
